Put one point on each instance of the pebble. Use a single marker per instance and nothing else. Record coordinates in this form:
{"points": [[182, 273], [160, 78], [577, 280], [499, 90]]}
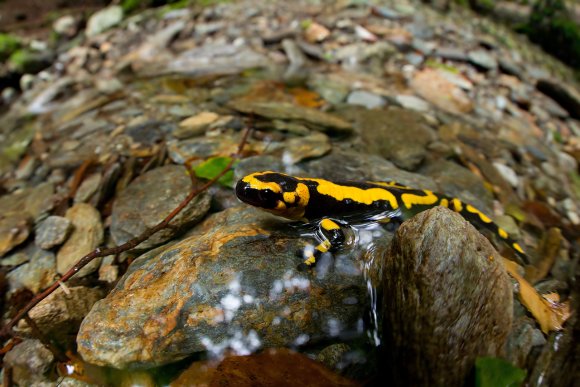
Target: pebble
{"points": [[303, 148], [29, 361], [483, 60], [366, 99], [36, 274], [53, 231], [14, 229], [507, 173], [195, 125], [87, 234], [104, 19], [435, 88], [413, 103]]}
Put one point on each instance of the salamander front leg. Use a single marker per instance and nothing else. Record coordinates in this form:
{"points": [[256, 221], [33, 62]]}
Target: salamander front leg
{"points": [[330, 237]]}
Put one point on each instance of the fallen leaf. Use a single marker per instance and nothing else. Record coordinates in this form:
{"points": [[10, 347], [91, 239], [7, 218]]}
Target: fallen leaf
{"points": [[548, 251], [306, 97], [547, 310], [494, 372], [213, 167]]}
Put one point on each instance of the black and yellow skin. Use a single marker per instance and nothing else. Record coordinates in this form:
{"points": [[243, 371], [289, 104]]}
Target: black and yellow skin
{"points": [[330, 202]]}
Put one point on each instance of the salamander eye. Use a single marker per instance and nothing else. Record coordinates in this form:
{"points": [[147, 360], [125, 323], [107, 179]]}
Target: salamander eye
{"points": [[267, 196]]}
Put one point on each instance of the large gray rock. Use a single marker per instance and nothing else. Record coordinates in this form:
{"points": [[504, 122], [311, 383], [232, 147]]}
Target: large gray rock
{"points": [[447, 300]]}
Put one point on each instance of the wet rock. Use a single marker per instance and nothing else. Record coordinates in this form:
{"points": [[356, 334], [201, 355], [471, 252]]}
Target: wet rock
{"points": [[104, 19], [195, 125], [447, 300], [565, 95], [366, 99], [14, 229], [482, 59], [521, 341], [381, 132], [36, 274], [29, 361], [149, 199], [61, 313], [231, 284], [87, 235], [303, 148], [436, 88], [313, 118]]}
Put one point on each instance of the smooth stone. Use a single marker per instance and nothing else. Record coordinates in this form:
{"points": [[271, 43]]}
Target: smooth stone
{"points": [[36, 274], [149, 199], [433, 86], [29, 361], [447, 300], [302, 148], [195, 125], [382, 134], [366, 99], [86, 236], [104, 19], [232, 283], [89, 188], [413, 103], [14, 229], [483, 60]]}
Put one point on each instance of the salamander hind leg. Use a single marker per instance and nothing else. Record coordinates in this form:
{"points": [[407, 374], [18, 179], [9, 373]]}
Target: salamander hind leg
{"points": [[330, 236]]}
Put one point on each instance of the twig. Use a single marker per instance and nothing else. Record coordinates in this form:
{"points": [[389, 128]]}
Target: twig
{"points": [[98, 252]]}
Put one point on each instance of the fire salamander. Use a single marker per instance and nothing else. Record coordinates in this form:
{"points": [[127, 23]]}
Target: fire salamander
{"points": [[330, 203]]}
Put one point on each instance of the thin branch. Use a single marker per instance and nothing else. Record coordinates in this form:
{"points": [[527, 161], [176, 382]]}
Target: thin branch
{"points": [[98, 252]]}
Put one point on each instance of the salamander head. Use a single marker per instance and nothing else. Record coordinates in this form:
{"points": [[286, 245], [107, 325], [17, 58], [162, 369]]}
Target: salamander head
{"points": [[274, 192]]}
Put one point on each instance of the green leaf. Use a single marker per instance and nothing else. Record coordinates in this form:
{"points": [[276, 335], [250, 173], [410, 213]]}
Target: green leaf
{"points": [[213, 167], [494, 372]]}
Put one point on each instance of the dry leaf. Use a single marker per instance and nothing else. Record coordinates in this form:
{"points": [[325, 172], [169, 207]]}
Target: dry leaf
{"points": [[548, 250], [547, 310], [307, 98]]}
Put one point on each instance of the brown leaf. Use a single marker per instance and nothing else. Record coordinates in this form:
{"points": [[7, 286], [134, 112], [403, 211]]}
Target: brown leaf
{"points": [[548, 251], [306, 97], [547, 310], [273, 367]]}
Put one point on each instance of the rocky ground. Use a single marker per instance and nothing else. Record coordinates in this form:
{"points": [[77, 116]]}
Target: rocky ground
{"points": [[92, 153]]}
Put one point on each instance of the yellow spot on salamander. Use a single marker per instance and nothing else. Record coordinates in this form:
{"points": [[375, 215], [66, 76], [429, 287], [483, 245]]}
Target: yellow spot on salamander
{"points": [[457, 206], [324, 246], [365, 196], [310, 261], [257, 184], [502, 233], [444, 203], [411, 199], [328, 224], [303, 194], [518, 248], [484, 218], [289, 197]]}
